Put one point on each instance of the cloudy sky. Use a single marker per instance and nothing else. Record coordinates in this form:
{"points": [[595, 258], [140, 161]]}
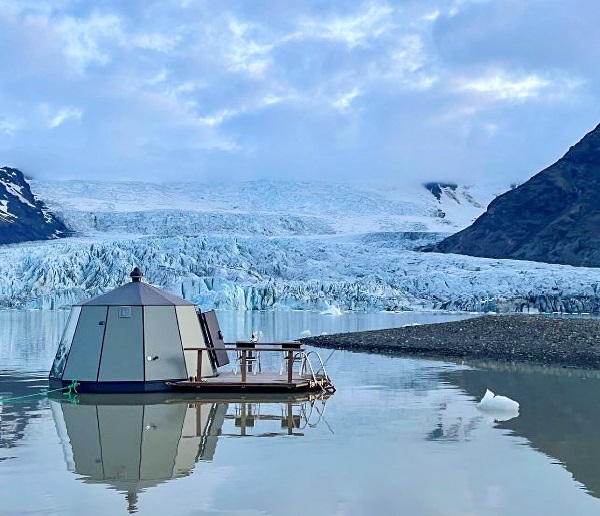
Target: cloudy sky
{"points": [[338, 90]]}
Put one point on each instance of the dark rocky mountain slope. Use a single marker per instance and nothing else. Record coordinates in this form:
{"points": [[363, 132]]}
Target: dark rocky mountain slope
{"points": [[554, 217], [22, 216]]}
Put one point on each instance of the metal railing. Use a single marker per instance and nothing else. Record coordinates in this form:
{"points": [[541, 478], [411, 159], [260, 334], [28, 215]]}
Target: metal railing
{"points": [[248, 352]]}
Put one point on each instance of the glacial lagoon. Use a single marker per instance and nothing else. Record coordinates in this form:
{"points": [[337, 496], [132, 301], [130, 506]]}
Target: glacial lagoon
{"points": [[400, 436]]}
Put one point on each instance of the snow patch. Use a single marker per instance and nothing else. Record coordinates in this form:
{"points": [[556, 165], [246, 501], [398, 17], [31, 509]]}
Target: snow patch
{"points": [[16, 191], [4, 213]]}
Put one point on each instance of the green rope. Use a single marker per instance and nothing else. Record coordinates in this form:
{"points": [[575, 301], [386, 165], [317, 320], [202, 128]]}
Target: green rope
{"points": [[70, 393]]}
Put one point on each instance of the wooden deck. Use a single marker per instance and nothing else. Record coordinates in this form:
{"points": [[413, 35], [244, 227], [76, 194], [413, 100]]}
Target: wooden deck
{"points": [[260, 382]]}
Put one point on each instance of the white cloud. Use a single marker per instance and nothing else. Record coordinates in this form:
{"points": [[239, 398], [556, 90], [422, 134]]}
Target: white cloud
{"points": [[432, 15], [217, 118], [272, 99], [242, 49], [500, 87], [56, 117], [379, 79], [410, 64], [353, 30], [156, 41], [458, 5], [158, 78], [9, 127], [84, 39], [343, 103]]}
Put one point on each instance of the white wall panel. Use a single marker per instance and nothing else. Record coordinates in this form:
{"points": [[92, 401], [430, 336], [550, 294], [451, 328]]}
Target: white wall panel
{"points": [[163, 351], [123, 350], [84, 357]]}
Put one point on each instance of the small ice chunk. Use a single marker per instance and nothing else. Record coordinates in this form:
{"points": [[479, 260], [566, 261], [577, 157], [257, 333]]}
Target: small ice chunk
{"points": [[332, 310], [305, 333], [494, 403]]}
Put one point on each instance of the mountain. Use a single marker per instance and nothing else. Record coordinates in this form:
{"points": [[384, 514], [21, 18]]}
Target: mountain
{"points": [[22, 216], [554, 217]]}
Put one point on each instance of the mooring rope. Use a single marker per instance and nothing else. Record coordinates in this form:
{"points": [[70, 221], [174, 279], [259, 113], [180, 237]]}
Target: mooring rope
{"points": [[70, 393]]}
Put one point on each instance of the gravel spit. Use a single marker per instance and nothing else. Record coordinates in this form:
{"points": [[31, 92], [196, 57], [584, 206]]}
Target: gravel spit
{"points": [[535, 339]]}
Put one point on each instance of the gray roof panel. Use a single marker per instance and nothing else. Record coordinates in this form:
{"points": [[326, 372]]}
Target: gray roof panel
{"points": [[136, 293]]}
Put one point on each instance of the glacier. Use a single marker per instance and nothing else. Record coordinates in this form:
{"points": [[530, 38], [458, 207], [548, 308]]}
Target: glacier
{"points": [[279, 245], [290, 273]]}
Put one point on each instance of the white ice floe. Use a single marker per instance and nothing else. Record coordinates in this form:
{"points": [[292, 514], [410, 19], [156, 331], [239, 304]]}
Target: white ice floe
{"points": [[500, 408], [332, 310]]}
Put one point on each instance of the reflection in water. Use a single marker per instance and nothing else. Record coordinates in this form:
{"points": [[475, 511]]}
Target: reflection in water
{"points": [[408, 439], [287, 325], [15, 414], [29, 338], [132, 443], [453, 428], [559, 411]]}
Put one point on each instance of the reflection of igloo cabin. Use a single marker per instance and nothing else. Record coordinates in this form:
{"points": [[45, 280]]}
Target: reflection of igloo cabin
{"points": [[131, 339], [135, 444]]}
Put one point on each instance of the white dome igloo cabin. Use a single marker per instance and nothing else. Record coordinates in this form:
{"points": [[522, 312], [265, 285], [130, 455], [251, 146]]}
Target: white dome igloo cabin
{"points": [[131, 339]]}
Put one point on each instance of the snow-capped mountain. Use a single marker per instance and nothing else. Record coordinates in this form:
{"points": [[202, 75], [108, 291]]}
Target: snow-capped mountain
{"points": [[279, 245], [22, 216]]}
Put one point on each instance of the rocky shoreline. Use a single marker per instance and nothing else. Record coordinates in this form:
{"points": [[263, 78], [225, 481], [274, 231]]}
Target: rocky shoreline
{"points": [[535, 339]]}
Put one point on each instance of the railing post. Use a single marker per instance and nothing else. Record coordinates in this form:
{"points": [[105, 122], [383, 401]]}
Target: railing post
{"points": [[290, 419], [199, 366], [244, 366], [243, 418], [199, 425], [290, 365]]}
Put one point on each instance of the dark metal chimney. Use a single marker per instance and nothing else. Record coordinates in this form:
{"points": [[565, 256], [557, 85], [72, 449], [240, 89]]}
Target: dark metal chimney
{"points": [[136, 274]]}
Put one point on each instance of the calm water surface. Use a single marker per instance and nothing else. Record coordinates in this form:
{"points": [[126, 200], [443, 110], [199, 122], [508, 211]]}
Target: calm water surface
{"points": [[400, 436]]}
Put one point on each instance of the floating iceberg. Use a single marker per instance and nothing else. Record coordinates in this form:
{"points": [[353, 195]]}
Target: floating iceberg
{"points": [[500, 407], [332, 310]]}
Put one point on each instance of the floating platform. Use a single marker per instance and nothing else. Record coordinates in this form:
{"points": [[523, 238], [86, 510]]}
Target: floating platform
{"points": [[264, 382], [248, 376]]}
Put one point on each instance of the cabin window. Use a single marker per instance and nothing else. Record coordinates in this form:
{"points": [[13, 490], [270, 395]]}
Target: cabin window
{"points": [[125, 312]]}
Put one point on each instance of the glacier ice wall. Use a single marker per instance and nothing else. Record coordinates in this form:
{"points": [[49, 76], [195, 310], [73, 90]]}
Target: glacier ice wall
{"points": [[279, 245], [290, 273]]}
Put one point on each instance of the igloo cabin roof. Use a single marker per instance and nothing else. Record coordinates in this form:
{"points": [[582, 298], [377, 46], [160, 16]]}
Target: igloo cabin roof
{"points": [[136, 293]]}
